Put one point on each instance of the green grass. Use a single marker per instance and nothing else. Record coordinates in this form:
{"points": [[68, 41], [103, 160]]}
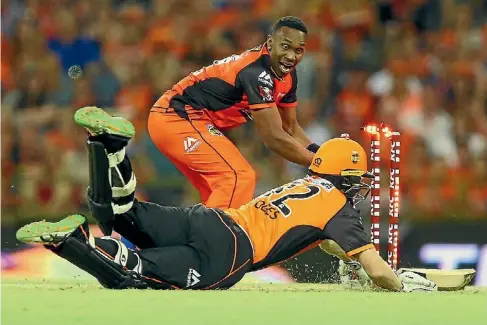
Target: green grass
{"points": [[85, 302]]}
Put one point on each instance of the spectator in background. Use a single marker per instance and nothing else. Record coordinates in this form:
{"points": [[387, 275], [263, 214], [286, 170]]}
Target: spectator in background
{"points": [[477, 187], [10, 199], [423, 70], [69, 46], [65, 152], [477, 132], [135, 95], [434, 125], [12, 13], [164, 69], [33, 173], [31, 92], [31, 59], [83, 94], [355, 105], [104, 84]]}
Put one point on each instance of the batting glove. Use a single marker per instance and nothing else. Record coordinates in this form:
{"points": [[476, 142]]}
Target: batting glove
{"points": [[414, 282]]}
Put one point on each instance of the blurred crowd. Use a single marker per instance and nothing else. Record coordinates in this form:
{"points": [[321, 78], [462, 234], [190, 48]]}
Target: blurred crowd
{"points": [[420, 66]]}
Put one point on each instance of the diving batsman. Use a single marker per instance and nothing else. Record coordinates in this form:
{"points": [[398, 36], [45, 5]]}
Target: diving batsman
{"points": [[207, 248]]}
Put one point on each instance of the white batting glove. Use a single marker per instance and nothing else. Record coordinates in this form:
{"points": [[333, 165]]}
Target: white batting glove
{"points": [[353, 275], [414, 282]]}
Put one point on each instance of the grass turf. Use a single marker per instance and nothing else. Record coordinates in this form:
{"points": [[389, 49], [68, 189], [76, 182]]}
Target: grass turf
{"points": [[85, 302]]}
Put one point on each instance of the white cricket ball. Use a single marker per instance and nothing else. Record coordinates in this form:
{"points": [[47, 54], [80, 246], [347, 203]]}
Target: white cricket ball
{"points": [[75, 72]]}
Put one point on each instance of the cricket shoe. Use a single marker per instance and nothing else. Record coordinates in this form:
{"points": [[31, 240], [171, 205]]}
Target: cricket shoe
{"points": [[50, 233], [98, 122]]}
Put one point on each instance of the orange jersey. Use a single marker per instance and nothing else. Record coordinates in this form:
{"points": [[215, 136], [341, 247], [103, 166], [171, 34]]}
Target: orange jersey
{"points": [[298, 216], [231, 88]]}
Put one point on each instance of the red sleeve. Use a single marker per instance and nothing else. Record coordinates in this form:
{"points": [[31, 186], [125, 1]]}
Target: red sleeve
{"points": [[290, 99]]}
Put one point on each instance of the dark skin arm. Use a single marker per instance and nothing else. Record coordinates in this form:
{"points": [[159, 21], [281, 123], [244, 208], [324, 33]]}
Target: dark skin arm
{"points": [[291, 126], [270, 127]]}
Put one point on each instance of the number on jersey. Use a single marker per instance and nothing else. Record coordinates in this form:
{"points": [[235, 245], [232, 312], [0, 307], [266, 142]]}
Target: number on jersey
{"points": [[280, 202]]}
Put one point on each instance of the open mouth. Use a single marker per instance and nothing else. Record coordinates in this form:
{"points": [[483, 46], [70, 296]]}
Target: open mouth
{"points": [[286, 67]]}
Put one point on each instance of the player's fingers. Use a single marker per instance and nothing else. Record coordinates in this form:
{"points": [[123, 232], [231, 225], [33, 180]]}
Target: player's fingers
{"points": [[414, 278]]}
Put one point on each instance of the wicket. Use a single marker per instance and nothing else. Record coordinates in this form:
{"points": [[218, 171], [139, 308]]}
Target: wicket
{"points": [[393, 232]]}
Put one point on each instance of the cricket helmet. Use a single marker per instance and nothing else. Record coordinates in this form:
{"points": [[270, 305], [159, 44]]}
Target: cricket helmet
{"points": [[343, 161], [340, 157]]}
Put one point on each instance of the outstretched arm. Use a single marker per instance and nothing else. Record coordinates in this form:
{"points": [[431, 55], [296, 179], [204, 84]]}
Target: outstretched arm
{"points": [[291, 126], [384, 277], [268, 124], [259, 88], [346, 229], [287, 110], [378, 270]]}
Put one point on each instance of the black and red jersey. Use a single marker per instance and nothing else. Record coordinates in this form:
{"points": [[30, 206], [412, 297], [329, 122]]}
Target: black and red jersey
{"points": [[231, 88]]}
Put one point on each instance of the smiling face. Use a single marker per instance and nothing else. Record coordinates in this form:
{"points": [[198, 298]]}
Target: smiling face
{"points": [[286, 49]]}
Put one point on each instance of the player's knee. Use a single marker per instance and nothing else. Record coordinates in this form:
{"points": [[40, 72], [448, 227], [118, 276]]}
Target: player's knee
{"points": [[154, 129], [246, 177], [245, 186], [238, 179], [232, 189]]}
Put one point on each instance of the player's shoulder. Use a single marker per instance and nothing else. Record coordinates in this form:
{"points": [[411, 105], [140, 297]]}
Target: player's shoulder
{"points": [[326, 185], [348, 211], [257, 56], [254, 61]]}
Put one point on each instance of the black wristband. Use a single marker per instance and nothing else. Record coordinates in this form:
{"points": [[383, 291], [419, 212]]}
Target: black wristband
{"points": [[313, 147]]}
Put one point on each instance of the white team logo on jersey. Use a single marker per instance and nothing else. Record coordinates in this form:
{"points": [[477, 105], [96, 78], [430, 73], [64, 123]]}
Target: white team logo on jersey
{"points": [[266, 78], [190, 144], [193, 278], [266, 94]]}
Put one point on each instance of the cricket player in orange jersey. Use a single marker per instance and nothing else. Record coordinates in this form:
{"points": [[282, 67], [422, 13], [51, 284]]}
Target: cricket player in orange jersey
{"points": [[209, 248], [258, 85]]}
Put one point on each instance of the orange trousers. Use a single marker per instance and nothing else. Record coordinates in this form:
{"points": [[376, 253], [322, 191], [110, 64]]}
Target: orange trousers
{"points": [[209, 160]]}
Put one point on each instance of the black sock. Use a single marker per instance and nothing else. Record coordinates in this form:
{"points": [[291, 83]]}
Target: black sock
{"points": [[112, 143]]}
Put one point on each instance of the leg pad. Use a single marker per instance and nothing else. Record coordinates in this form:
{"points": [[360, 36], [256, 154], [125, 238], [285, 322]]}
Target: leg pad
{"points": [[100, 191], [107, 272]]}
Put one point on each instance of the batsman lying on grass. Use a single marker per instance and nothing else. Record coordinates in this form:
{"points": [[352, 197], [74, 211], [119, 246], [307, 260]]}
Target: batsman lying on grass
{"points": [[205, 248]]}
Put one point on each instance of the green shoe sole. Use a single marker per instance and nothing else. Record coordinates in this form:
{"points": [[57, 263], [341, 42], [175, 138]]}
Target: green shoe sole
{"points": [[43, 232], [97, 121]]}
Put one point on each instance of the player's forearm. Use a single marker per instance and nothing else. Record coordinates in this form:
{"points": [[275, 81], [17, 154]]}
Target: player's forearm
{"points": [[388, 281], [297, 132], [289, 148], [380, 273]]}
